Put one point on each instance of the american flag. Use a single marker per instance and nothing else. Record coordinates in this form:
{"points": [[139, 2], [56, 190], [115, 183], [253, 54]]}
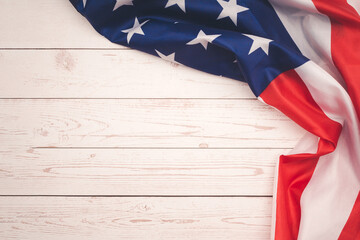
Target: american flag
{"points": [[299, 56]]}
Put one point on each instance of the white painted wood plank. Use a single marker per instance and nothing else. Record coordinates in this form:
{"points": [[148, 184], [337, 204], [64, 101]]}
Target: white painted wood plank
{"points": [[46, 24], [106, 74], [58, 218], [138, 171], [166, 123]]}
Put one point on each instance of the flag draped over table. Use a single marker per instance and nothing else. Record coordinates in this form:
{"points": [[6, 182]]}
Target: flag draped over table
{"points": [[299, 56]]}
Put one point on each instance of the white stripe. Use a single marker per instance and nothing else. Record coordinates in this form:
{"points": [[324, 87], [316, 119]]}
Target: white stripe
{"points": [[307, 144], [355, 4], [329, 197], [310, 30]]}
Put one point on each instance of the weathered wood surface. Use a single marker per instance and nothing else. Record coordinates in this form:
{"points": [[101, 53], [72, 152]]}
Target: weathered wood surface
{"points": [[82, 117], [46, 24], [44, 218], [138, 172], [106, 74], [174, 123]]}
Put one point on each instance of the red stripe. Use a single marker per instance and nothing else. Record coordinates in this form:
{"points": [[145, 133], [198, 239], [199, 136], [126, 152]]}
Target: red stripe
{"points": [[345, 47], [289, 94], [352, 226], [345, 51]]}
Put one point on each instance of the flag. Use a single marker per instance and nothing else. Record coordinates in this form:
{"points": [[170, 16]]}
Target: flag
{"points": [[301, 57]]}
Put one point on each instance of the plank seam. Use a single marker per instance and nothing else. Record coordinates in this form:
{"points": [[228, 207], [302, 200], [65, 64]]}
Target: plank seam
{"points": [[141, 196], [196, 148]]}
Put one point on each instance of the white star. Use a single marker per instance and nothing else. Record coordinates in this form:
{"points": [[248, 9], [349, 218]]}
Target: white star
{"points": [[203, 39], [170, 57], [259, 42], [120, 3], [180, 3], [84, 2], [135, 29], [230, 9]]}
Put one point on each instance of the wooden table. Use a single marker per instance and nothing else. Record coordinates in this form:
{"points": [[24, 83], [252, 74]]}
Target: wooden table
{"points": [[98, 141]]}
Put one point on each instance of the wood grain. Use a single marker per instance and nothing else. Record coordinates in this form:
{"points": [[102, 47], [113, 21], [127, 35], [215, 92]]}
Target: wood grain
{"points": [[106, 74], [138, 171], [44, 218], [160, 123], [46, 24], [82, 117]]}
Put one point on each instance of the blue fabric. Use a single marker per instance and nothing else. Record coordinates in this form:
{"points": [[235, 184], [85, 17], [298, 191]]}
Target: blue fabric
{"points": [[169, 29]]}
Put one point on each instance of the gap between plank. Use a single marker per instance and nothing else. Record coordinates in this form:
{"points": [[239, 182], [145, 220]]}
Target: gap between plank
{"points": [[225, 148], [22, 98], [142, 196]]}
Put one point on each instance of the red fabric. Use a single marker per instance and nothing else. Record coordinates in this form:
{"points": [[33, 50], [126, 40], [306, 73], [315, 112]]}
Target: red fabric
{"points": [[289, 94], [345, 51], [345, 43], [351, 229]]}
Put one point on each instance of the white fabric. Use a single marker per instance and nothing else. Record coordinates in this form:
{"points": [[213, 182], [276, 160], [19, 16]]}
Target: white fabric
{"points": [[329, 197], [310, 30], [355, 4]]}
